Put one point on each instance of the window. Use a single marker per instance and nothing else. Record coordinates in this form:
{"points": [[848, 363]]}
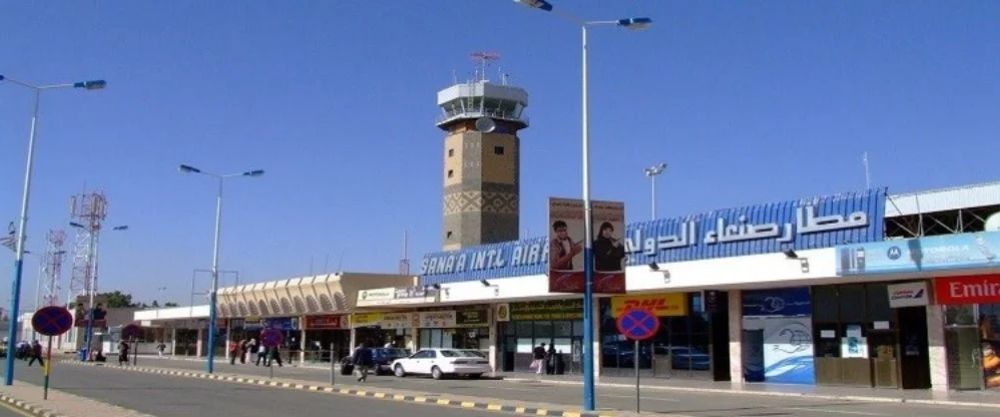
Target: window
{"points": [[451, 153], [424, 354], [498, 150], [450, 173], [448, 235]]}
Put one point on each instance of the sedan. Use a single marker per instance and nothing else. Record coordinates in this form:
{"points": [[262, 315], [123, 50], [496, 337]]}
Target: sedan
{"points": [[441, 362]]}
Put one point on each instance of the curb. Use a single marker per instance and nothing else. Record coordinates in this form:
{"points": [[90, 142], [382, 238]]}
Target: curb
{"points": [[27, 407], [859, 398], [384, 395]]}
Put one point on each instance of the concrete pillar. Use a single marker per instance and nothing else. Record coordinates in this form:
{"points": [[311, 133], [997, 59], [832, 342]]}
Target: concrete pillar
{"points": [[229, 335], [494, 339], [736, 337], [936, 348], [302, 343], [199, 346], [173, 341], [597, 338], [354, 341]]}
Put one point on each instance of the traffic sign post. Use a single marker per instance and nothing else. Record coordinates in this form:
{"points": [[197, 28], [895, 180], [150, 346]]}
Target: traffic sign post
{"points": [[638, 324], [50, 321]]}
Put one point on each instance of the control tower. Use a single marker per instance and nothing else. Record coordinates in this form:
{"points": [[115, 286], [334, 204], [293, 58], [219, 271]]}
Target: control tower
{"points": [[482, 166]]}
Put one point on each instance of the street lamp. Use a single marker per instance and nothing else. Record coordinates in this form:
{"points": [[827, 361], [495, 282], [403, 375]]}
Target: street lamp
{"points": [[213, 296], [25, 197], [652, 172], [88, 334], [634, 23]]}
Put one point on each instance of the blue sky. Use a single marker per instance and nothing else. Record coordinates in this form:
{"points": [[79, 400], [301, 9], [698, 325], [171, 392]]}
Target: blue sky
{"points": [[747, 101]]}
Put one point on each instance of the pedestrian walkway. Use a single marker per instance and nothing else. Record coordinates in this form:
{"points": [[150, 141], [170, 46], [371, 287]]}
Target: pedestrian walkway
{"points": [[929, 397], [28, 398]]}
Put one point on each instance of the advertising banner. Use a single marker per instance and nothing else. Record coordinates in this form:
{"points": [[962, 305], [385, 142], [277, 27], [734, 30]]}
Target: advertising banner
{"points": [[908, 294], [608, 220], [566, 241], [959, 251], [326, 321], [787, 349], [785, 302], [396, 296], [974, 289], [547, 310], [663, 305]]}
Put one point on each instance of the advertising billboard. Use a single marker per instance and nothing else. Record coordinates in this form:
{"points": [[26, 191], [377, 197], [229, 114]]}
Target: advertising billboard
{"points": [[566, 241]]}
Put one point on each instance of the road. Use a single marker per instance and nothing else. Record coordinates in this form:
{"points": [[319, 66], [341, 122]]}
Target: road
{"points": [[10, 411], [167, 396], [190, 392]]}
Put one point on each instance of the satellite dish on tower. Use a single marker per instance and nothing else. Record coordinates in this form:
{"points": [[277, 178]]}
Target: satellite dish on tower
{"points": [[992, 222], [485, 124]]}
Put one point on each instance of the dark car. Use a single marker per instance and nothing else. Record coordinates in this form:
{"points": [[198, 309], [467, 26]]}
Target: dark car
{"points": [[383, 358]]}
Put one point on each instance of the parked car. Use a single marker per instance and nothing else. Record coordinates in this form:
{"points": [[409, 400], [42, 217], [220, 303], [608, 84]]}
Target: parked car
{"points": [[382, 357], [441, 362]]}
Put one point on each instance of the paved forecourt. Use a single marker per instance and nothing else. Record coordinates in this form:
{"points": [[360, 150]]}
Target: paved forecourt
{"points": [[567, 396]]}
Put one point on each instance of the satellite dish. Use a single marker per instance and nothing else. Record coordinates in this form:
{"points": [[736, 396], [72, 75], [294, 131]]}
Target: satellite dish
{"points": [[485, 124], [992, 223]]}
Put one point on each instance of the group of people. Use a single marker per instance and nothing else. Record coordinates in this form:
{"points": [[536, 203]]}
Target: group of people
{"points": [[548, 362], [252, 350]]}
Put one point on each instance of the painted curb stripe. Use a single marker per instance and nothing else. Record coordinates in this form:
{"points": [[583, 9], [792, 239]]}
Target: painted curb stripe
{"points": [[354, 392]]}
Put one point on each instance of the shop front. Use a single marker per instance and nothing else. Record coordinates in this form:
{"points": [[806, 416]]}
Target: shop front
{"points": [[324, 331], [777, 336], [466, 328], [556, 323], [376, 329], [972, 330]]}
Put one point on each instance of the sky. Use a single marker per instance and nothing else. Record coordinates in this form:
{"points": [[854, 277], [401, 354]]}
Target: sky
{"points": [[748, 102]]}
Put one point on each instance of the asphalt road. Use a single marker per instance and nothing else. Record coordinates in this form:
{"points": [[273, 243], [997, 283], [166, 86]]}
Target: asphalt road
{"points": [[688, 403], [168, 396], [10, 411]]}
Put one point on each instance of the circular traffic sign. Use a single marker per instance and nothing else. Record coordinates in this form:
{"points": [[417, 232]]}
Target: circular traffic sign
{"points": [[638, 324], [130, 331], [52, 320], [271, 337]]}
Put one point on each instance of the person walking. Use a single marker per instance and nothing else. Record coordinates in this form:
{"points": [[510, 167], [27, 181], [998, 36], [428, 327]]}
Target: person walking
{"points": [[362, 361], [243, 350], [538, 359], [160, 348], [36, 353], [234, 348], [261, 354], [550, 360], [273, 355], [122, 353]]}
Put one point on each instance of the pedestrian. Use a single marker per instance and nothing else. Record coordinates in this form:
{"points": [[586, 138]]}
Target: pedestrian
{"points": [[273, 354], [538, 359], [362, 361], [234, 348], [160, 348], [36, 353], [550, 360], [261, 354], [243, 350], [122, 353]]}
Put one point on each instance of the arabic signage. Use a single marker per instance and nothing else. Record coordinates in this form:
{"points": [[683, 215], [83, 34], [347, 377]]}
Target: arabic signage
{"points": [[779, 302], [975, 289], [908, 294], [767, 228], [326, 321], [384, 320], [959, 251], [281, 323], [396, 296], [436, 319], [472, 318], [566, 244], [547, 310], [663, 305]]}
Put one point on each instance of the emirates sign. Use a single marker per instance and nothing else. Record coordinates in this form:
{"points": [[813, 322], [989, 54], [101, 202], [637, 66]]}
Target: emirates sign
{"points": [[974, 289]]}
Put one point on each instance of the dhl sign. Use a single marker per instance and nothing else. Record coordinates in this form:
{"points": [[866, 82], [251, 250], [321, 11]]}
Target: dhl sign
{"points": [[663, 305]]}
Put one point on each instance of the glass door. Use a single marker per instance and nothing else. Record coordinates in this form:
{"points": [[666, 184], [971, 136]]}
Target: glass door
{"points": [[963, 348]]}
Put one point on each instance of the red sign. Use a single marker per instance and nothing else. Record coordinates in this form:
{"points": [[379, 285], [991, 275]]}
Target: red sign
{"points": [[974, 289], [638, 324], [328, 321]]}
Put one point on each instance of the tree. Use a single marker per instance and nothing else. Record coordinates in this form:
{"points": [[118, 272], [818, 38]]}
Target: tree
{"points": [[156, 304], [118, 299], [170, 304]]}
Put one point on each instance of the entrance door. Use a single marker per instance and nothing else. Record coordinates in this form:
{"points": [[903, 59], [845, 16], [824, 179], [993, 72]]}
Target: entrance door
{"points": [[913, 351]]}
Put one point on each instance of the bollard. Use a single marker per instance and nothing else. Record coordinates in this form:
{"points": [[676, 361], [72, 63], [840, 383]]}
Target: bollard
{"points": [[333, 366]]}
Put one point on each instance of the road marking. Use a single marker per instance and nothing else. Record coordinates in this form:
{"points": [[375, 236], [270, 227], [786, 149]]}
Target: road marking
{"points": [[669, 400], [819, 410]]}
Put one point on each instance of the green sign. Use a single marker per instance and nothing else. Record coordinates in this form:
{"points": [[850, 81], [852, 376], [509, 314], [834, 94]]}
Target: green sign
{"points": [[547, 310], [472, 318]]}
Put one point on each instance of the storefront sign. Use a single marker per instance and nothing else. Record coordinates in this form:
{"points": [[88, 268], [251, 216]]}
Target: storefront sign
{"points": [[959, 251], [908, 294], [975, 289], [663, 305], [782, 302], [281, 323], [547, 310], [503, 312], [767, 228], [365, 319], [326, 321], [384, 320], [396, 296], [436, 319], [472, 318]]}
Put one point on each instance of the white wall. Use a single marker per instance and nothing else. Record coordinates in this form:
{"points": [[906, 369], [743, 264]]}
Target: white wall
{"points": [[172, 313]]}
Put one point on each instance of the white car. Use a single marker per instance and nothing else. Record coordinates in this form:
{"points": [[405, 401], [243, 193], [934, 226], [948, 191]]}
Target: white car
{"points": [[440, 362]]}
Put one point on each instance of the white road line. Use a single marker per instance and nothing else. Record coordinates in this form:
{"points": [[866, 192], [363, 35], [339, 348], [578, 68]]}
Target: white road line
{"points": [[669, 400], [820, 410]]}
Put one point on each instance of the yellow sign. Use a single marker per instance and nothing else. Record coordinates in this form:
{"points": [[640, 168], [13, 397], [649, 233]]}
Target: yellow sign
{"points": [[663, 305], [366, 319]]}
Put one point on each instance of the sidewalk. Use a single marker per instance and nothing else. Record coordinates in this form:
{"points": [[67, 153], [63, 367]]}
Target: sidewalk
{"points": [[886, 395], [28, 398]]}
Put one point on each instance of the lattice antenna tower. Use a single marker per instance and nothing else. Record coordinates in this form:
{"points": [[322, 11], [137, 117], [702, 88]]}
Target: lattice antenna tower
{"points": [[404, 262], [53, 267], [87, 210]]}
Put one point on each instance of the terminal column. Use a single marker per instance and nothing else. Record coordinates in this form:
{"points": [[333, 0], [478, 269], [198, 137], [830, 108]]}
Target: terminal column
{"points": [[735, 337], [936, 348]]}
